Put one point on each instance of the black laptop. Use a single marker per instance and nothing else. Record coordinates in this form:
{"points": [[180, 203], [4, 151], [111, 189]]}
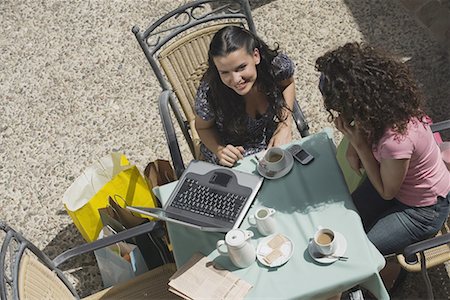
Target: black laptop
{"points": [[208, 197]]}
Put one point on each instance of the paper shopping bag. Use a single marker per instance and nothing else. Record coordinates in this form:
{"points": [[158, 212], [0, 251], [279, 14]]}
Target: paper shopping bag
{"points": [[120, 214], [159, 172], [153, 245], [110, 176], [119, 262]]}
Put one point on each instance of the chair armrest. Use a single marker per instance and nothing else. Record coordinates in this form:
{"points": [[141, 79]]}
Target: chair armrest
{"points": [[410, 252], [106, 241], [440, 126], [300, 120], [169, 130]]}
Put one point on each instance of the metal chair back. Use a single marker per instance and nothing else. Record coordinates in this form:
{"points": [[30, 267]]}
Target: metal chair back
{"points": [[176, 47], [26, 270], [27, 273]]}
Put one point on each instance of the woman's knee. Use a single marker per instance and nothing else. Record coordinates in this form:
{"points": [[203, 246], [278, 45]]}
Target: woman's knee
{"points": [[390, 235]]}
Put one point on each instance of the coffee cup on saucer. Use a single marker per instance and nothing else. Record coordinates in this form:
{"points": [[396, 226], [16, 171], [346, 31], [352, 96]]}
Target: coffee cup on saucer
{"points": [[274, 160], [325, 241]]}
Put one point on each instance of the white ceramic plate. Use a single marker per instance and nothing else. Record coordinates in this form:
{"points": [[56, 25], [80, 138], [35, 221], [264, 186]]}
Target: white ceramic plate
{"points": [[289, 165], [263, 249], [340, 249]]}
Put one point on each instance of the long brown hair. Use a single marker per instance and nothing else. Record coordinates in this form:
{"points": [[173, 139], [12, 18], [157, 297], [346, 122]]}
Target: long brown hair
{"points": [[369, 87]]}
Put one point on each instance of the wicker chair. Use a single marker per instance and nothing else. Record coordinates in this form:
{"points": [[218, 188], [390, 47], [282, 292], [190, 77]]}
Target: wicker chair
{"points": [[178, 56], [432, 252], [27, 273]]}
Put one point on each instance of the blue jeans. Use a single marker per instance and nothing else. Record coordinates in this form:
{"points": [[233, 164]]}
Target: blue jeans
{"points": [[391, 225]]}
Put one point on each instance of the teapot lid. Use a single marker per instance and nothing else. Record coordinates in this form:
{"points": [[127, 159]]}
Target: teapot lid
{"points": [[236, 237]]}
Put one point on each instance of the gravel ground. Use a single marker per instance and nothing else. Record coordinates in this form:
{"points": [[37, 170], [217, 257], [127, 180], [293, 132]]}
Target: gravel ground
{"points": [[75, 85]]}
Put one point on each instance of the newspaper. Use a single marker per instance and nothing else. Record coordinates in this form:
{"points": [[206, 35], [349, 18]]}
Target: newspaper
{"points": [[201, 278]]}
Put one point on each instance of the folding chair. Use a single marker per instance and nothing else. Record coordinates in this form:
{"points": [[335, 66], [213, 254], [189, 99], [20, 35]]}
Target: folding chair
{"points": [[27, 273], [432, 252], [176, 46]]}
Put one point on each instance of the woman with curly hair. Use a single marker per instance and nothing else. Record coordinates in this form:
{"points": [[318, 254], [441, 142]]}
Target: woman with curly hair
{"points": [[244, 101], [375, 103]]}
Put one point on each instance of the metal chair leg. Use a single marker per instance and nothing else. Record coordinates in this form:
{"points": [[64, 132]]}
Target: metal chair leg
{"points": [[425, 276]]}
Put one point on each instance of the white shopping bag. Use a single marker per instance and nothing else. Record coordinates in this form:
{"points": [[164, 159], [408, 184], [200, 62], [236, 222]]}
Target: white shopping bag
{"points": [[119, 262]]}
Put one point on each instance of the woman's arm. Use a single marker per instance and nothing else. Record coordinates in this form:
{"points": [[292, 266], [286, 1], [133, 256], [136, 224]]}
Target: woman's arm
{"points": [[353, 159], [283, 133], [386, 177], [227, 155]]}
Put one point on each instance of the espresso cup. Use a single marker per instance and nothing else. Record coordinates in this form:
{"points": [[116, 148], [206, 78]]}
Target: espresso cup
{"points": [[325, 241], [274, 160], [264, 220]]}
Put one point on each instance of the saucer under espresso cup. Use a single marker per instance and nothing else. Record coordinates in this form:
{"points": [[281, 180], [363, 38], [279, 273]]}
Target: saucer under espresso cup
{"points": [[274, 160], [325, 241], [260, 167], [341, 248]]}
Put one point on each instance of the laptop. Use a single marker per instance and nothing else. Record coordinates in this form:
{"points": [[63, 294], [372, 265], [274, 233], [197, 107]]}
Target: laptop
{"points": [[208, 197]]}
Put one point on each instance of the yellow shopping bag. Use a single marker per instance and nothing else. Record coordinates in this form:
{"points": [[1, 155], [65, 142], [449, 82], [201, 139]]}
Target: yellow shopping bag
{"points": [[112, 176]]}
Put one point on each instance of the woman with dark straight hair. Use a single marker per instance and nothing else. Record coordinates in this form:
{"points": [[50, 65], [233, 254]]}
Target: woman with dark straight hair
{"points": [[245, 99]]}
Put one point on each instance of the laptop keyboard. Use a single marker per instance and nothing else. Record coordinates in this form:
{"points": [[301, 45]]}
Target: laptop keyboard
{"points": [[207, 201]]}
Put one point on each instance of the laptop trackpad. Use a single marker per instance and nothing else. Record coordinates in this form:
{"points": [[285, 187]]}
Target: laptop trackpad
{"points": [[220, 178]]}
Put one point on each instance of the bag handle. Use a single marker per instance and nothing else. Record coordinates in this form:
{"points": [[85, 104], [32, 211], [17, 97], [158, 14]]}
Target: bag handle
{"points": [[122, 214], [159, 172]]}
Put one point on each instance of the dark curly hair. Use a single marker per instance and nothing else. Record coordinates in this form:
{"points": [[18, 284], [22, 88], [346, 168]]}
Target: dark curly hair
{"points": [[223, 100], [369, 87]]}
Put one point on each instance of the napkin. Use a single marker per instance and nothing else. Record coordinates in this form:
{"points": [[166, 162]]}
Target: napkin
{"points": [[201, 278]]}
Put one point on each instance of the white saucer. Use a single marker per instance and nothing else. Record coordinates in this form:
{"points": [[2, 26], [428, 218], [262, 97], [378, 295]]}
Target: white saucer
{"points": [[340, 249], [289, 165], [263, 249]]}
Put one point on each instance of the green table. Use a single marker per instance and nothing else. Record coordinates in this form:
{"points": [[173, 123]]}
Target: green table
{"points": [[307, 197]]}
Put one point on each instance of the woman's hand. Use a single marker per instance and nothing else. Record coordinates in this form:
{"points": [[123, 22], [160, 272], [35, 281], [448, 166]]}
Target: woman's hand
{"points": [[228, 155], [353, 134], [281, 136]]}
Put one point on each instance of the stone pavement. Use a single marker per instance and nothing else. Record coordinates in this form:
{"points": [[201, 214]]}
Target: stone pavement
{"points": [[434, 15], [75, 85]]}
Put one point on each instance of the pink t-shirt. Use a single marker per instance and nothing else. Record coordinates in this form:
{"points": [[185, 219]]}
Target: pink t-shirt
{"points": [[427, 176]]}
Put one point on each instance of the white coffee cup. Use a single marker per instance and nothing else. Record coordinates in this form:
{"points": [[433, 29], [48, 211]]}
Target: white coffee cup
{"points": [[274, 160], [325, 241], [241, 252], [264, 220]]}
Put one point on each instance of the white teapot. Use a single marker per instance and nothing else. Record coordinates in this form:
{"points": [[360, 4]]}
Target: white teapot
{"points": [[241, 252]]}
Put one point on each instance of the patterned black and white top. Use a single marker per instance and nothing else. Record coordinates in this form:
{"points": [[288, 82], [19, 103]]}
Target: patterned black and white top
{"points": [[260, 129]]}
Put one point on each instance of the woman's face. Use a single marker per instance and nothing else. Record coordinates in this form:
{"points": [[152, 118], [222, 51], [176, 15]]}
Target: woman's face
{"points": [[237, 70]]}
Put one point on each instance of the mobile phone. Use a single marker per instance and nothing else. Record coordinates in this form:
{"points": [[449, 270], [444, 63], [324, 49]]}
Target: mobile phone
{"points": [[300, 154]]}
